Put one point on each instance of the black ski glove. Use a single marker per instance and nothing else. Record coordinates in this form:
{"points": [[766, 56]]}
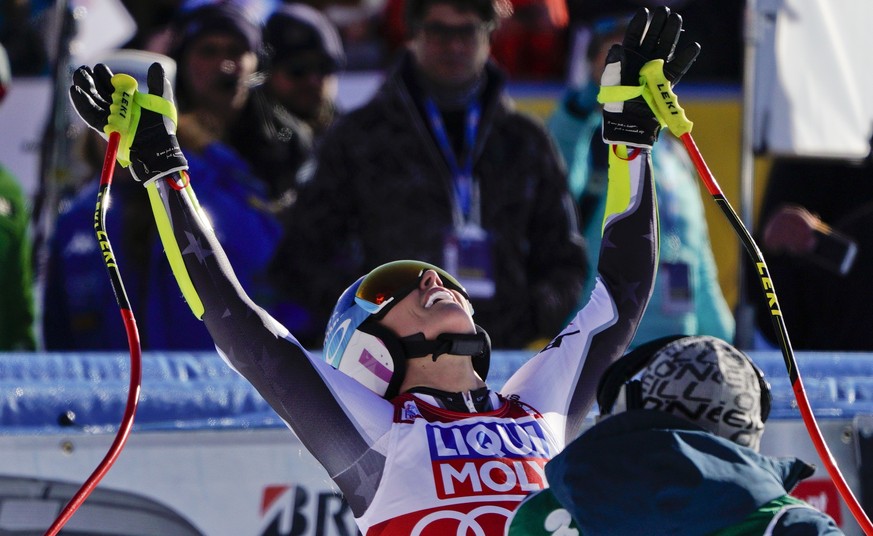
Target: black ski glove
{"points": [[627, 116], [148, 141]]}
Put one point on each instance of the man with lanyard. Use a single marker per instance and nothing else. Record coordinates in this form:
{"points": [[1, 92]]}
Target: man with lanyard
{"points": [[398, 412], [437, 166], [465, 251]]}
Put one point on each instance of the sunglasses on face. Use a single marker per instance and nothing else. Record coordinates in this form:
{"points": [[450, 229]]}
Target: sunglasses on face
{"points": [[444, 33], [390, 283]]}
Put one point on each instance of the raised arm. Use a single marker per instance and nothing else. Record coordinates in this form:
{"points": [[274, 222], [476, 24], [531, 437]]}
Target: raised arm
{"points": [[317, 402], [561, 381]]}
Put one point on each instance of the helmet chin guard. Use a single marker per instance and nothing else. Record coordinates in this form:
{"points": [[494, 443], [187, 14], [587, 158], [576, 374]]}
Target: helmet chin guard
{"points": [[375, 356]]}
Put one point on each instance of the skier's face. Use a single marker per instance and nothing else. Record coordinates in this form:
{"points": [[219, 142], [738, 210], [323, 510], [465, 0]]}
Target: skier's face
{"points": [[451, 47], [431, 309]]}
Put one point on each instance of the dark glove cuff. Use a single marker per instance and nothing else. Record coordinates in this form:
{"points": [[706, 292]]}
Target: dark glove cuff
{"points": [[152, 158], [629, 128]]}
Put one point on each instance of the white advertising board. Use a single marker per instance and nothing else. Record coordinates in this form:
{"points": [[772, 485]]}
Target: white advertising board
{"points": [[225, 483], [812, 77]]}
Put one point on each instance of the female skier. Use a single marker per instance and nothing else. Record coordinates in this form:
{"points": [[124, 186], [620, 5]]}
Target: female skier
{"points": [[398, 412]]}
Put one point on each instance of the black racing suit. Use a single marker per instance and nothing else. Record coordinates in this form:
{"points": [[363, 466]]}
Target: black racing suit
{"points": [[478, 465]]}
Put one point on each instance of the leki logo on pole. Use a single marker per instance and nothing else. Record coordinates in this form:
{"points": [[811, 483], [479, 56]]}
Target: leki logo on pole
{"points": [[123, 84]]}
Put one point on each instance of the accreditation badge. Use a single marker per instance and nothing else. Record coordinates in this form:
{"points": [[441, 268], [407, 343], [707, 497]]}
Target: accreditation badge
{"points": [[467, 255], [677, 294]]}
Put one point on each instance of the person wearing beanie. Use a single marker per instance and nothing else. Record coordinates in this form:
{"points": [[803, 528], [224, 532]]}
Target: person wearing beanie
{"points": [[216, 47], [675, 451], [304, 54], [233, 139]]}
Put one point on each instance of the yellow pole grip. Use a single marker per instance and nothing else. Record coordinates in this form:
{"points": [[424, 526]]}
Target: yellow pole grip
{"points": [[123, 114], [662, 100]]}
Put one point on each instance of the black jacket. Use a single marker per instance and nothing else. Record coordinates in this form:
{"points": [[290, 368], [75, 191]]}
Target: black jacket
{"points": [[382, 191]]}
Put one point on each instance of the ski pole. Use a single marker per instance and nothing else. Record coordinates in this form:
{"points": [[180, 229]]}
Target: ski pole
{"points": [[124, 84], [659, 94], [782, 332]]}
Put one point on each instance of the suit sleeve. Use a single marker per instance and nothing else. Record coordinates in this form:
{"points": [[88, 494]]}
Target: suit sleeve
{"points": [[317, 402], [561, 381]]}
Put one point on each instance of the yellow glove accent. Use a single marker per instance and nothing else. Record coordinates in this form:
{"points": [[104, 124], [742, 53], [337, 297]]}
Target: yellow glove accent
{"points": [[618, 93], [126, 109], [156, 104], [658, 94]]}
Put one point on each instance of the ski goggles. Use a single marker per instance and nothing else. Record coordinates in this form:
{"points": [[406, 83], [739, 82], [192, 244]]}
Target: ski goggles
{"points": [[391, 282]]}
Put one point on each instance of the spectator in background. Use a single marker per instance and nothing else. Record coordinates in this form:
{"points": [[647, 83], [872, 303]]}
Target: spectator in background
{"points": [[223, 126], [153, 20], [228, 126], [687, 297], [235, 140], [216, 48], [815, 221], [530, 44], [16, 274], [305, 54], [660, 455], [438, 166], [79, 307]]}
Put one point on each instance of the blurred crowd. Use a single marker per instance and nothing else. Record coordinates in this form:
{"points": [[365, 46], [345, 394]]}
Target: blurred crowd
{"points": [[437, 165], [290, 180]]}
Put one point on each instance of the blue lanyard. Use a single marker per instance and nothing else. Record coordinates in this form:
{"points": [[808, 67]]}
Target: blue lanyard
{"points": [[462, 175]]}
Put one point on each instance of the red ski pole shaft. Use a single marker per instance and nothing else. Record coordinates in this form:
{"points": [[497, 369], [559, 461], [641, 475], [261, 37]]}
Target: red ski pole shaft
{"points": [[126, 425], [803, 404]]}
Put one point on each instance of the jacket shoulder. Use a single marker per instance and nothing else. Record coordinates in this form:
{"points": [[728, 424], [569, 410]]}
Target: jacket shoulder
{"points": [[802, 520]]}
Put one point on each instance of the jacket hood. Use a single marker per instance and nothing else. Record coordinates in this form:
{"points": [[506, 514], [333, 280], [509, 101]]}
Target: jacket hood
{"points": [[644, 469]]}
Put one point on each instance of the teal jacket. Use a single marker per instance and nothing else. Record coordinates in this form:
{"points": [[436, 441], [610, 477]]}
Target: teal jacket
{"points": [[687, 297], [16, 274]]}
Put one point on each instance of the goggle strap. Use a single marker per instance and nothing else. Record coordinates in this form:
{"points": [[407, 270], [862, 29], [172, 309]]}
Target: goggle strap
{"points": [[473, 345]]}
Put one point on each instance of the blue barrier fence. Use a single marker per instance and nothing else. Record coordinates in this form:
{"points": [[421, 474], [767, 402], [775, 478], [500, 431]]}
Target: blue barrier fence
{"points": [[54, 392]]}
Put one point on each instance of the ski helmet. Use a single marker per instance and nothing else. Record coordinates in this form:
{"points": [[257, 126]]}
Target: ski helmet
{"points": [[358, 345]]}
